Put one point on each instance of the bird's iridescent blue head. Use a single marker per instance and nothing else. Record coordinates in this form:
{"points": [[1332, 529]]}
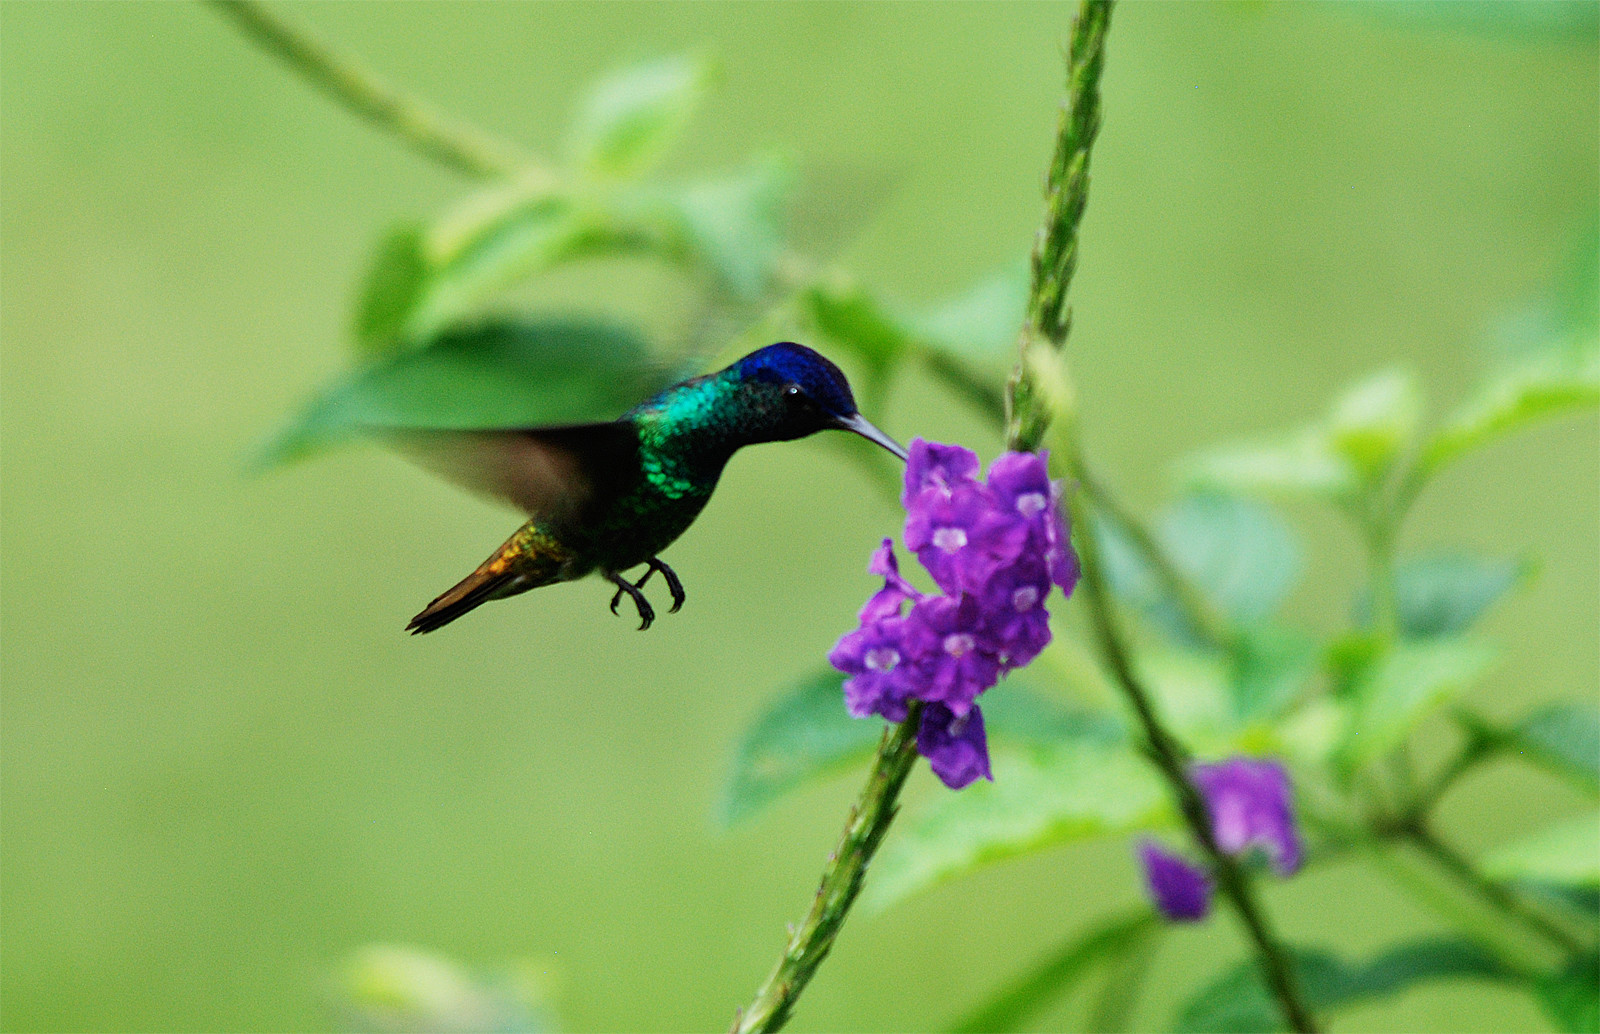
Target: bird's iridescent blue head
{"points": [[789, 364], [808, 394]]}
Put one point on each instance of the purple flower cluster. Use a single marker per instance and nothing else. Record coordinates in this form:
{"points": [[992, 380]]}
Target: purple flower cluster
{"points": [[1250, 808], [994, 549]]}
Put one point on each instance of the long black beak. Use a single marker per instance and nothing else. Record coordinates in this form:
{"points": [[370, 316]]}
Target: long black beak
{"points": [[859, 424]]}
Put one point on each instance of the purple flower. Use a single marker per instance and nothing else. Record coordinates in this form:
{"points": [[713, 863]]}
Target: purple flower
{"points": [[1249, 803], [994, 549], [1180, 890], [954, 745], [1250, 807]]}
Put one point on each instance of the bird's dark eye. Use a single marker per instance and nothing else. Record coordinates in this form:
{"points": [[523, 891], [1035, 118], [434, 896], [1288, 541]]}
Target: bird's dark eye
{"points": [[792, 391]]}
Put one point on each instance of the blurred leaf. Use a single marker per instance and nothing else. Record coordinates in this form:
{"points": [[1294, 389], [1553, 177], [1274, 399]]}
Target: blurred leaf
{"points": [[1011, 1007], [734, 223], [1578, 296], [1191, 693], [1271, 665], [1304, 464], [1571, 998], [529, 240], [1564, 737], [981, 325], [392, 989], [1238, 1001], [1403, 686], [1373, 424], [1446, 593], [1238, 553], [1039, 798], [1310, 734], [493, 375], [1565, 854], [1122, 985], [1523, 19], [390, 291], [1544, 384], [853, 318], [630, 118], [807, 735]]}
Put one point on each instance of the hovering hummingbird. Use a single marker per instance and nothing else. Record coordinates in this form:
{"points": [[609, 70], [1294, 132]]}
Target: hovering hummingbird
{"points": [[609, 497]]}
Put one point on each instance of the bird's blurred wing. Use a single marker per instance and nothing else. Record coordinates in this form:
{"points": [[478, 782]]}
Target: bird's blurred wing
{"points": [[544, 471]]}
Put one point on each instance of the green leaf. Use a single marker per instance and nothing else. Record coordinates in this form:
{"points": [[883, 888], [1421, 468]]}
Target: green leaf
{"points": [[1303, 464], [1039, 798], [734, 224], [1271, 665], [1402, 686], [1238, 553], [1012, 1005], [390, 291], [396, 988], [493, 375], [1375, 422], [1550, 382], [527, 239], [1571, 998], [1238, 1001], [1446, 593], [1565, 738], [853, 318], [1524, 19], [1566, 854], [807, 735], [982, 324], [630, 119]]}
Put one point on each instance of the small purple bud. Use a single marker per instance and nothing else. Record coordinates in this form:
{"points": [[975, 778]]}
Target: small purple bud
{"points": [[1250, 805], [954, 745], [1180, 890]]}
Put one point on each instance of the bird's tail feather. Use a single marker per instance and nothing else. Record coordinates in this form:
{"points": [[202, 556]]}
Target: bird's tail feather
{"points": [[474, 590], [529, 559]]}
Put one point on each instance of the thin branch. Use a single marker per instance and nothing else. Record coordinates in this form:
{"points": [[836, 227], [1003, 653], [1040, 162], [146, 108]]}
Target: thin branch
{"points": [[1033, 402], [462, 147], [810, 943], [1464, 872], [1172, 761]]}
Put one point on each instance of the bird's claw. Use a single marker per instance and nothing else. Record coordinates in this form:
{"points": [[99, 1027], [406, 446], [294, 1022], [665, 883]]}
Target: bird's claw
{"points": [[647, 613], [634, 591], [673, 585]]}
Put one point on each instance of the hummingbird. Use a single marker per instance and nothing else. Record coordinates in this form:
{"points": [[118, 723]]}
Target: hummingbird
{"points": [[608, 497]]}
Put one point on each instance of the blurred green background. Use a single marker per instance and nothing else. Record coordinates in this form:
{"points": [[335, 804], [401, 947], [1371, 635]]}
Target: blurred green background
{"points": [[225, 768]]}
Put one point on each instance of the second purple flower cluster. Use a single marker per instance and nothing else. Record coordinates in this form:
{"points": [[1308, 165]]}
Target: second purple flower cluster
{"points": [[1251, 808], [994, 548]]}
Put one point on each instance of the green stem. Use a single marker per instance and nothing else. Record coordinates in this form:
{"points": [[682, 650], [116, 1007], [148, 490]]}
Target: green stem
{"points": [[1029, 405], [1037, 393], [1464, 872], [811, 941], [1379, 535], [461, 147], [1171, 760]]}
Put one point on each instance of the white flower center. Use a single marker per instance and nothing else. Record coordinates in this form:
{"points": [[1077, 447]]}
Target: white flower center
{"points": [[1031, 503], [958, 643], [1024, 598], [949, 539], [884, 658]]}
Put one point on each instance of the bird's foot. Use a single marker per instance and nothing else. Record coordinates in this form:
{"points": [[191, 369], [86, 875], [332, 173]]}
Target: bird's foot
{"points": [[647, 613], [673, 585]]}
